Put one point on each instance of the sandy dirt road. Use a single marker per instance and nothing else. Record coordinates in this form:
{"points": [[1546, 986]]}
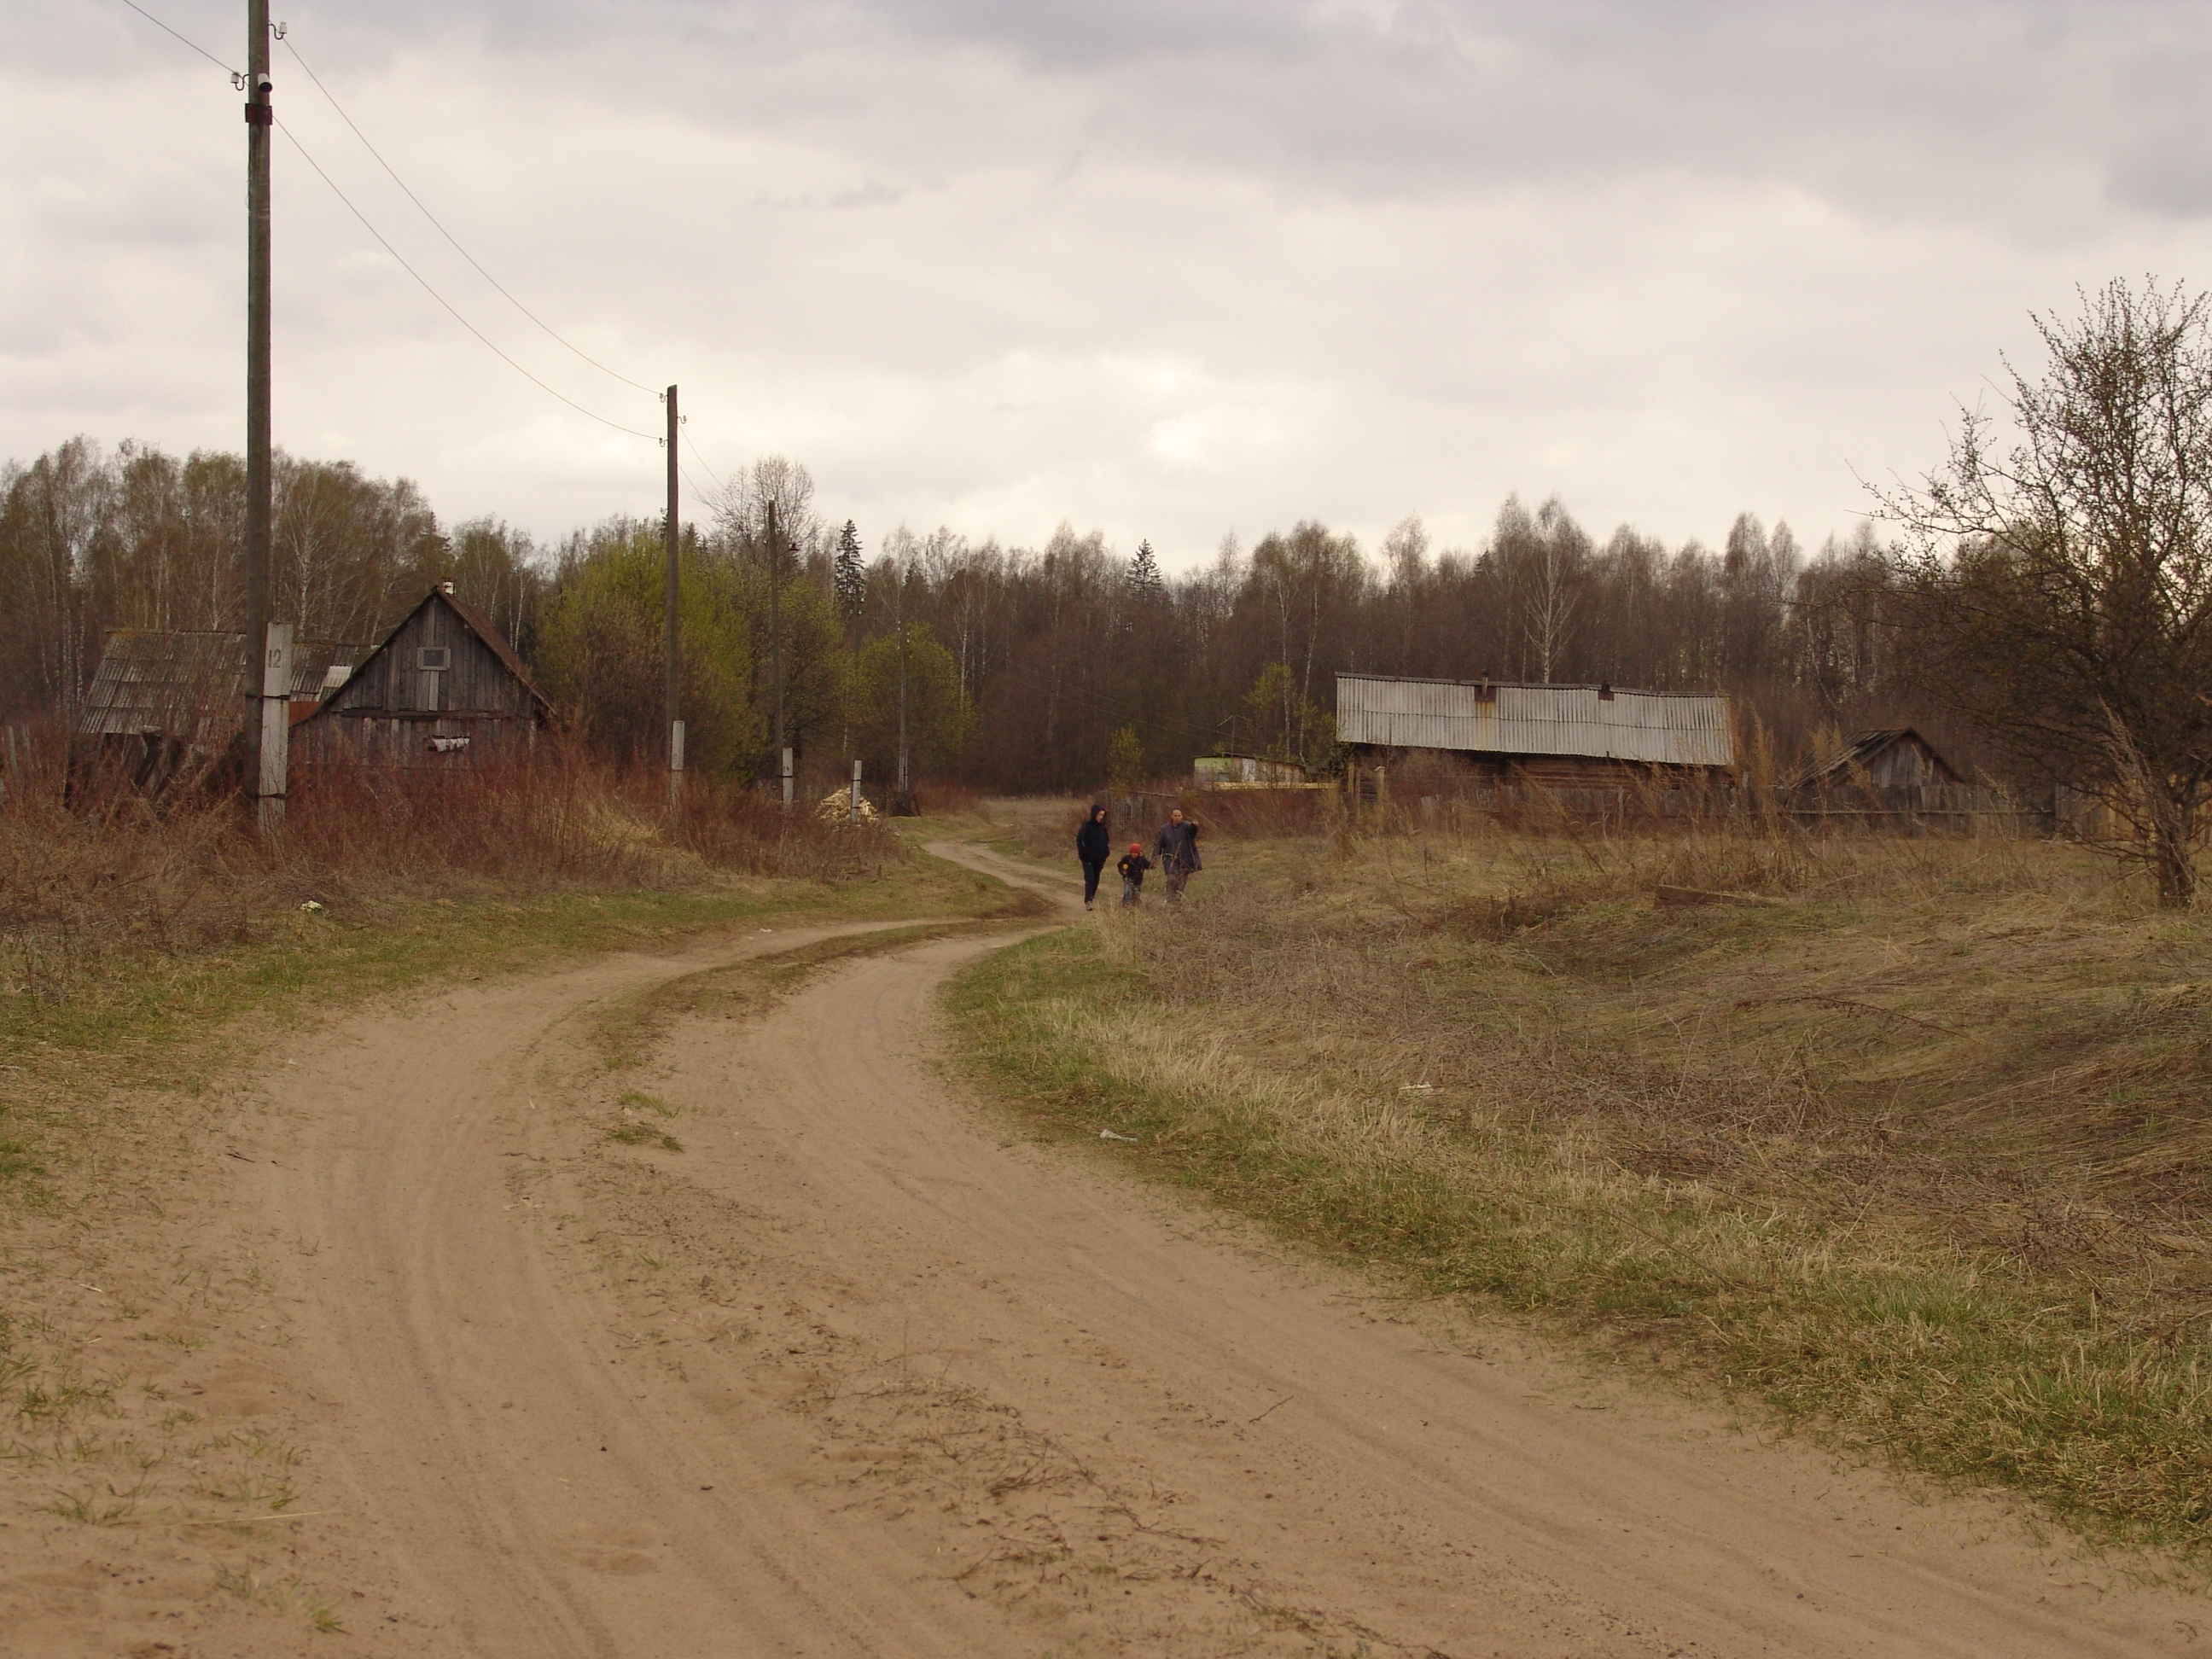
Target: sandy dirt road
{"points": [[860, 1370]]}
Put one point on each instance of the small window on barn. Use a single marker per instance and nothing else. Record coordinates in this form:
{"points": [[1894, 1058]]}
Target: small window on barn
{"points": [[434, 658]]}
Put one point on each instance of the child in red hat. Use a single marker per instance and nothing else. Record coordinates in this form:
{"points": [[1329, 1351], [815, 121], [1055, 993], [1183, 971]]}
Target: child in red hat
{"points": [[1133, 866]]}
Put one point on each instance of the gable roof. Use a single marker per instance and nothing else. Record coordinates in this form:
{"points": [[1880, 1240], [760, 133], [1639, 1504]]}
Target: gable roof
{"points": [[473, 619], [1861, 752], [1486, 717], [190, 684]]}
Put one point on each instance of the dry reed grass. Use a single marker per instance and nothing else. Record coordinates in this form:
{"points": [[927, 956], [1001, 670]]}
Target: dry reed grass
{"points": [[108, 876], [1918, 1152]]}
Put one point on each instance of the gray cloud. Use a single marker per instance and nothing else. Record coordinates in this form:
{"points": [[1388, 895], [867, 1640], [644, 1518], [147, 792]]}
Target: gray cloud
{"points": [[1166, 268]]}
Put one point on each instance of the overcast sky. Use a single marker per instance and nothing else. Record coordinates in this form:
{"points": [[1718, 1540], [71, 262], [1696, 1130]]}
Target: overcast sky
{"points": [[1161, 267]]}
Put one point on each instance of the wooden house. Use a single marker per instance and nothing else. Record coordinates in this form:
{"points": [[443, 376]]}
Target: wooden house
{"points": [[444, 688], [1561, 736]]}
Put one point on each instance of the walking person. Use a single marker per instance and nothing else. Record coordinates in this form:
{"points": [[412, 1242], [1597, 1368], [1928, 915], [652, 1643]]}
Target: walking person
{"points": [[1133, 866], [1091, 848], [1176, 850]]}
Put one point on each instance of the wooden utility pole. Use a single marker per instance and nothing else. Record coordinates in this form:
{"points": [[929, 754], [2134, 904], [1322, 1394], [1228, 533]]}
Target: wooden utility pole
{"points": [[675, 639], [268, 723], [775, 645]]}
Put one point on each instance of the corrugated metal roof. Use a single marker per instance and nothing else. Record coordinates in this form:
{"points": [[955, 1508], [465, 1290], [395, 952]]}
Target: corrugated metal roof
{"points": [[1657, 728], [189, 685]]}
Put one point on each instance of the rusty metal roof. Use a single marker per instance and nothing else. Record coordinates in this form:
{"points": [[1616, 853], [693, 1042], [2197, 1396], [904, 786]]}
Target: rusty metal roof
{"points": [[189, 685], [1489, 717]]}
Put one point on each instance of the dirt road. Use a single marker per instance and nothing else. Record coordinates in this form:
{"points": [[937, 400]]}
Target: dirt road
{"points": [[857, 1371]]}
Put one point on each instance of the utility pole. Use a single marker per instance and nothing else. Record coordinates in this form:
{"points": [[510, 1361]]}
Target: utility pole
{"points": [[902, 803], [776, 644], [268, 722], [675, 640]]}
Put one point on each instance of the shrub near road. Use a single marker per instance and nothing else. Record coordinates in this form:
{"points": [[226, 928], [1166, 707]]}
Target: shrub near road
{"points": [[1915, 1152]]}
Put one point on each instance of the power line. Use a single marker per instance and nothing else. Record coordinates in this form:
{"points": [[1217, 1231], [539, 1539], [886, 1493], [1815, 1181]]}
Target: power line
{"points": [[448, 234], [442, 300], [700, 458], [194, 44], [235, 77]]}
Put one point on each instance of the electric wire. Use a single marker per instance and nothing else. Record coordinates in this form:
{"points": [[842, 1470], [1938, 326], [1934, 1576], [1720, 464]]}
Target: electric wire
{"points": [[310, 160], [194, 44], [441, 300], [449, 235], [702, 459]]}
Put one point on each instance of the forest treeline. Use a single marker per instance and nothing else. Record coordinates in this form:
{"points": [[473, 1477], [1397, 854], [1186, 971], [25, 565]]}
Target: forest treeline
{"points": [[1024, 665]]}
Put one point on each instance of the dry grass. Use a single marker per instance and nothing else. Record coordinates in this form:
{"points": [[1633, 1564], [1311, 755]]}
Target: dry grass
{"points": [[108, 876], [1918, 1152], [1043, 827]]}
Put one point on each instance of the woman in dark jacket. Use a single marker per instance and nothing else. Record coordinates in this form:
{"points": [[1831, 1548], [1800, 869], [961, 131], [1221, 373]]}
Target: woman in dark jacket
{"points": [[1091, 847]]}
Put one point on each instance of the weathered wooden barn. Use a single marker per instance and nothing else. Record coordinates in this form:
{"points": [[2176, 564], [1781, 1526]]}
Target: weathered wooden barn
{"points": [[1897, 758], [1559, 736], [444, 688], [164, 702]]}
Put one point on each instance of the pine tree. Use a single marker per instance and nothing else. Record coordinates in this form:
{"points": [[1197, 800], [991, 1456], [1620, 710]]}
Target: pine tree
{"points": [[1145, 581], [850, 575]]}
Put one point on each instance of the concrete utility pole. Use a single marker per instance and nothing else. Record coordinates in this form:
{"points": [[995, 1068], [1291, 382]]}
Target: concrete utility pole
{"points": [[776, 644], [268, 716], [675, 640]]}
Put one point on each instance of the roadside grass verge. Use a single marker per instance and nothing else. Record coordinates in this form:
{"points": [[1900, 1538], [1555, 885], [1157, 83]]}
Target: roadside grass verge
{"points": [[1915, 1155]]}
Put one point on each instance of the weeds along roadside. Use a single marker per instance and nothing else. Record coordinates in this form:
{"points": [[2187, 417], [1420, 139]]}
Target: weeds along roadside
{"points": [[1914, 1151]]}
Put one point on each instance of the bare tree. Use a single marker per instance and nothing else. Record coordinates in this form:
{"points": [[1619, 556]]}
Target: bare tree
{"points": [[1545, 562], [2067, 580]]}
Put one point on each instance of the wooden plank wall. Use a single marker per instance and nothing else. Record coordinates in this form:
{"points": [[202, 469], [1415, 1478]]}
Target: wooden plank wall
{"points": [[477, 683], [386, 740]]}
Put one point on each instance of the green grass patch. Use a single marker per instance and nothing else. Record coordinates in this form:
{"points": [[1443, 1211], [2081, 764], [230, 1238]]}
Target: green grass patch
{"points": [[644, 1135]]}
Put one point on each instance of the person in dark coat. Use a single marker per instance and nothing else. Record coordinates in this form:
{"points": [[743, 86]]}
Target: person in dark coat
{"points": [[1133, 866], [1175, 849], [1091, 847]]}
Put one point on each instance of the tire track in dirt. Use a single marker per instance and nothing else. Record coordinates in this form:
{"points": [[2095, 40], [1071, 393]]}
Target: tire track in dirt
{"points": [[859, 1372]]}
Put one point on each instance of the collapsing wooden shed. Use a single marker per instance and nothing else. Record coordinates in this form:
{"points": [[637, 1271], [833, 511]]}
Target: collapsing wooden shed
{"points": [[1896, 759], [444, 688], [167, 702]]}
